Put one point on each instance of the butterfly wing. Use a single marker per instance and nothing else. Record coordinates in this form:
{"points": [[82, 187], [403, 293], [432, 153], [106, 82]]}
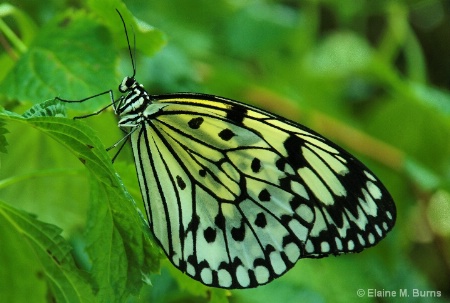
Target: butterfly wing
{"points": [[236, 195]]}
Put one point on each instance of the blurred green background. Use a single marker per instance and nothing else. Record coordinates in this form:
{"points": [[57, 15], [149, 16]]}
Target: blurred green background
{"points": [[373, 76]]}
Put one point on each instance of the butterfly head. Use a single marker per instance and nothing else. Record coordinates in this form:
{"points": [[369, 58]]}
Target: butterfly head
{"points": [[127, 84], [135, 101]]}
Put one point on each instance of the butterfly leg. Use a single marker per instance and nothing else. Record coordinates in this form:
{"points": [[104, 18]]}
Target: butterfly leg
{"points": [[122, 143], [111, 95]]}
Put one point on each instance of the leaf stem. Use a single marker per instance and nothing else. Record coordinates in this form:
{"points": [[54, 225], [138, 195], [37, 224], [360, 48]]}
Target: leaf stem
{"points": [[12, 37]]}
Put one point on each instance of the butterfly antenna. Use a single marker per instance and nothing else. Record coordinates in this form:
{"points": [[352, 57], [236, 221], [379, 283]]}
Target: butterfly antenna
{"points": [[128, 42], [134, 49]]}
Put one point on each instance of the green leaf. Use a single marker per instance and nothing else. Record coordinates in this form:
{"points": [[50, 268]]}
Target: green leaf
{"points": [[42, 256], [120, 258], [119, 250], [339, 55], [148, 39], [71, 57], [418, 128], [45, 109], [245, 28], [36, 162]]}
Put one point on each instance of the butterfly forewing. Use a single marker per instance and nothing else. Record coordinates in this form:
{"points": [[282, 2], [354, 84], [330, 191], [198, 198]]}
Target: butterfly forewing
{"points": [[236, 195]]}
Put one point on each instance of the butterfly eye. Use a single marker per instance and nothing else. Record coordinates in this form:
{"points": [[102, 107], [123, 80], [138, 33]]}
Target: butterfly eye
{"points": [[126, 84], [129, 82]]}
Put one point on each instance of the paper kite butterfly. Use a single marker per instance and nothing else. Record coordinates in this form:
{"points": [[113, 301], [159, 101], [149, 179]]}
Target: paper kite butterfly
{"points": [[236, 195]]}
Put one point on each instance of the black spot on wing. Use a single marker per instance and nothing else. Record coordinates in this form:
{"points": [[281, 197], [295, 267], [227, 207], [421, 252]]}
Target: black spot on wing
{"points": [[280, 164], [181, 183], [293, 146], [195, 123], [269, 248], [260, 220], [295, 203], [256, 165], [236, 113], [202, 172], [193, 225], [285, 183], [226, 134], [210, 234], [264, 195], [219, 220], [238, 233]]}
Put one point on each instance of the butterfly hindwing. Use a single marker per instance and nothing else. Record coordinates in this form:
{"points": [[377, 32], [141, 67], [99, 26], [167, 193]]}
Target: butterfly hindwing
{"points": [[236, 195]]}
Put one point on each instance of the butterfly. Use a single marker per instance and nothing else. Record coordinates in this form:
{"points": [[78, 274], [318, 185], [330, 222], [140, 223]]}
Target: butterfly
{"points": [[236, 195]]}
